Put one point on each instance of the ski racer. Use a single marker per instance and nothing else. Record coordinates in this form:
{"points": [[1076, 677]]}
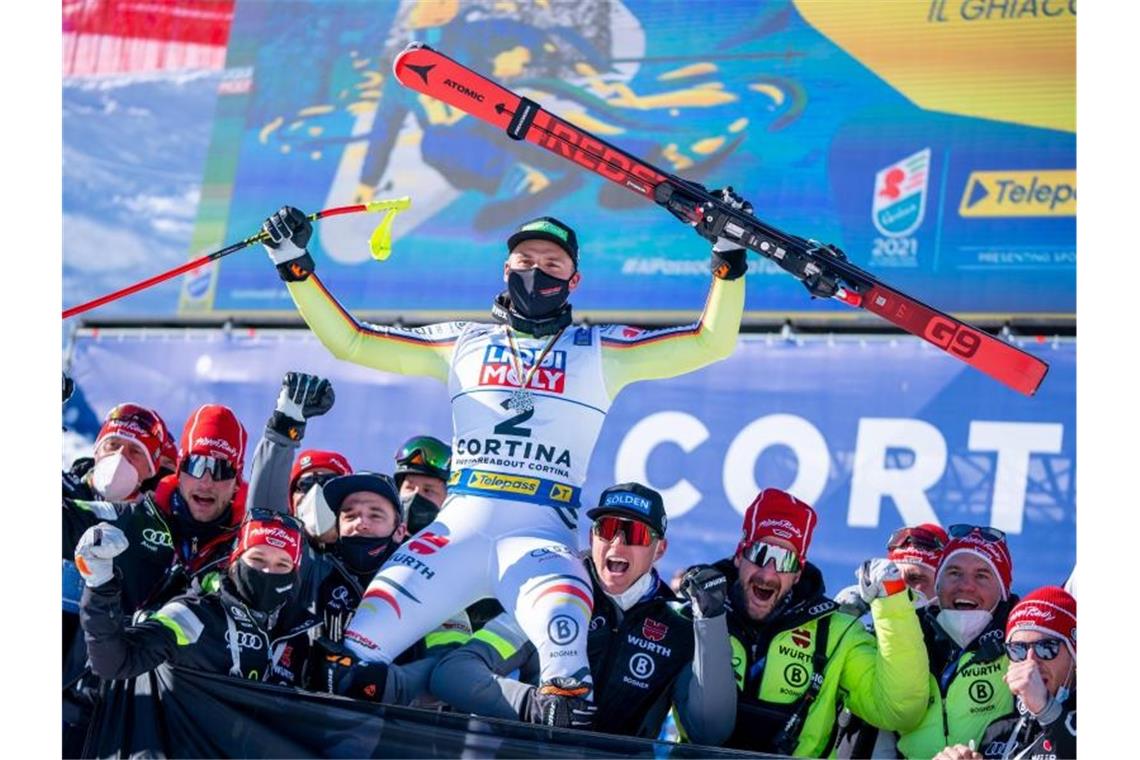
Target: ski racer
{"points": [[1041, 643], [646, 651], [529, 394], [796, 655]]}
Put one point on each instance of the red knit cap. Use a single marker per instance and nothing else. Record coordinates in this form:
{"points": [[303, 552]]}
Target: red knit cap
{"points": [[917, 555], [1050, 610], [777, 514], [314, 459], [994, 553], [277, 530], [139, 425], [214, 431]]}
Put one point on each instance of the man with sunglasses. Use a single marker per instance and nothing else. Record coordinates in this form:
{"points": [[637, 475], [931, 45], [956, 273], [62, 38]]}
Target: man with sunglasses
{"points": [[184, 529], [252, 626], [644, 647], [423, 465], [529, 392], [1041, 643], [312, 469], [795, 655], [964, 633]]}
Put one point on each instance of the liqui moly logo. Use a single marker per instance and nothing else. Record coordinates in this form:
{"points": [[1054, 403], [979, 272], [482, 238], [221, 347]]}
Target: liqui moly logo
{"points": [[498, 369], [899, 202]]}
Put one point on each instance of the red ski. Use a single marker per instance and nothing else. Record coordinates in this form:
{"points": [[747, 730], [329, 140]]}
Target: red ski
{"points": [[823, 269]]}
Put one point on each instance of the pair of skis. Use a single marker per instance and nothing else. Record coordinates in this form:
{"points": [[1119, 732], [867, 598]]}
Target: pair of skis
{"points": [[823, 269]]}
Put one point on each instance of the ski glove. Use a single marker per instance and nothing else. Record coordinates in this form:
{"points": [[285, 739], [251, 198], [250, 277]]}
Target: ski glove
{"points": [[561, 703], [878, 579], [288, 233], [851, 602], [98, 545], [302, 396], [340, 672], [706, 587], [728, 256]]}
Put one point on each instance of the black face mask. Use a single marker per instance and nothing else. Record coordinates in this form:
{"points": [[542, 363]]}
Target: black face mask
{"points": [[263, 592], [364, 555], [534, 293], [420, 510]]}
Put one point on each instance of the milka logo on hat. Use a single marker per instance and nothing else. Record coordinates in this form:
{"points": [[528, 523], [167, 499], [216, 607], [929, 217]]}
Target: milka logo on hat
{"points": [[541, 225], [632, 500], [216, 443], [782, 528]]}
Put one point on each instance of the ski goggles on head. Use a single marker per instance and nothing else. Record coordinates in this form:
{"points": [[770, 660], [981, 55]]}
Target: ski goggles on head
{"points": [[920, 538], [199, 465], [634, 532], [783, 560], [1043, 649], [310, 479], [425, 450], [984, 532]]}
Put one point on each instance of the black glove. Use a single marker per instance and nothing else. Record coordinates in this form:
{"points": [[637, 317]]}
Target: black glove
{"points": [[288, 233], [706, 587], [68, 387], [302, 396], [728, 256], [560, 703], [338, 671]]}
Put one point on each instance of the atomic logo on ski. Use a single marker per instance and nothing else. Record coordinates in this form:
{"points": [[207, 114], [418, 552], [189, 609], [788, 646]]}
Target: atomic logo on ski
{"points": [[422, 70]]}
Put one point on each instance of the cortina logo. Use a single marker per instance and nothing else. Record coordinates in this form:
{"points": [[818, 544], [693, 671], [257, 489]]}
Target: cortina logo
{"points": [[463, 89], [899, 203]]}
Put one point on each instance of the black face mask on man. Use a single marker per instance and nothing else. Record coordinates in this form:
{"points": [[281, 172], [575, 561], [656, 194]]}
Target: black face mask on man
{"points": [[534, 293], [262, 591], [421, 511], [365, 554]]}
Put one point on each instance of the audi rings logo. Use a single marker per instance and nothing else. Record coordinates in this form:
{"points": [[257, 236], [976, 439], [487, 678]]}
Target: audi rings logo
{"points": [[245, 640], [157, 537]]}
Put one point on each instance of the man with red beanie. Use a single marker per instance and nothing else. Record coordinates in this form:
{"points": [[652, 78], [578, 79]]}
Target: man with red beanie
{"points": [[184, 529], [253, 626], [964, 631], [312, 469], [796, 655], [1041, 643]]}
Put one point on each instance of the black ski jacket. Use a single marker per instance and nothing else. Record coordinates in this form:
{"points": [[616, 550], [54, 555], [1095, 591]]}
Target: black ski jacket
{"points": [[1021, 736]]}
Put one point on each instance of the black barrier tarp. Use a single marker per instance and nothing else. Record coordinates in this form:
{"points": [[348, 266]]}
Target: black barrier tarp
{"points": [[173, 712]]}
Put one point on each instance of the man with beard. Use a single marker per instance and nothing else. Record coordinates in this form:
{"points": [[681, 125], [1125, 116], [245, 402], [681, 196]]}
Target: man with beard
{"points": [[964, 634], [646, 651], [795, 655], [250, 627], [370, 528], [529, 393]]}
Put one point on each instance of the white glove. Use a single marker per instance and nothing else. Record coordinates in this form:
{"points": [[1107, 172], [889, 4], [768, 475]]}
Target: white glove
{"points": [[850, 599], [98, 545], [878, 579]]}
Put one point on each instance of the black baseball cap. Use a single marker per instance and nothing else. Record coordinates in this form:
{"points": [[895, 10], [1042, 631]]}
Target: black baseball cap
{"points": [[633, 501], [339, 488], [547, 228]]}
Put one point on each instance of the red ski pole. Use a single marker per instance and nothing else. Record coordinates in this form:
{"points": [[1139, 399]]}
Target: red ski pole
{"points": [[386, 205]]}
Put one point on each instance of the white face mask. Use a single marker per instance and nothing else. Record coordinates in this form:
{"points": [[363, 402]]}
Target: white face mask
{"points": [[633, 594], [114, 477], [314, 512], [920, 599], [963, 626]]}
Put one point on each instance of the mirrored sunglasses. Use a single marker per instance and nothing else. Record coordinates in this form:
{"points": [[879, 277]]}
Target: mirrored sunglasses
{"points": [[634, 532], [761, 553], [198, 466], [1044, 649]]}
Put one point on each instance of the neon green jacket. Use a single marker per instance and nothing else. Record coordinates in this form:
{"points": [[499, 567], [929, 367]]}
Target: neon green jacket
{"points": [[880, 677]]}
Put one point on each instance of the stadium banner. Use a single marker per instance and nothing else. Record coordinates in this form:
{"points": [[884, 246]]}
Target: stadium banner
{"points": [[175, 712], [933, 141], [874, 431]]}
